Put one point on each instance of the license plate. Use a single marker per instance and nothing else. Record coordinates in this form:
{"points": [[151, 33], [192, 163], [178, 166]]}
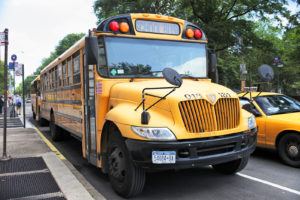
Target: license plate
{"points": [[163, 157]]}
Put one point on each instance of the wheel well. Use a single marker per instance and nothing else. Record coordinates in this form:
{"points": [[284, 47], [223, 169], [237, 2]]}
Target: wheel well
{"points": [[280, 135], [104, 143]]}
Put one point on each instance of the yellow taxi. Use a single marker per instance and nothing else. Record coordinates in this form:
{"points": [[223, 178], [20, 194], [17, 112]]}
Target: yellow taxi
{"points": [[278, 122]]}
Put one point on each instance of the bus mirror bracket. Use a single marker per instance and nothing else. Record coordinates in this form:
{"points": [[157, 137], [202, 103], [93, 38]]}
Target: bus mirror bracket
{"points": [[91, 50], [171, 77]]}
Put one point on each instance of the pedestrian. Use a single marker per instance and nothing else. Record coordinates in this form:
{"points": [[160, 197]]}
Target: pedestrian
{"points": [[18, 104], [1, 104]]}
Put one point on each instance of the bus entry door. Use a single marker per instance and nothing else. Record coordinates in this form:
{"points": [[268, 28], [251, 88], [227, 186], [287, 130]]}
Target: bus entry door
{"points": [[89, 114]]}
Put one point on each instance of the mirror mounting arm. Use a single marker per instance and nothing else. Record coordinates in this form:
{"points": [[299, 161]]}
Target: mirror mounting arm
{"points": [[145, 116]]}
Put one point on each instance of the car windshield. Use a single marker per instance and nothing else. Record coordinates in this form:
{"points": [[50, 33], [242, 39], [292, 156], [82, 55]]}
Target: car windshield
{"points": [[277, 104], [127, 57]]}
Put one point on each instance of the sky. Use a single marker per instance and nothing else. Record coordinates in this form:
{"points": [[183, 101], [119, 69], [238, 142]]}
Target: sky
{"points": [[36, 26]]}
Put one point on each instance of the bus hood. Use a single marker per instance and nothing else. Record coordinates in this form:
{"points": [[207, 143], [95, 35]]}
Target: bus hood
{"points": [[189, 90]]}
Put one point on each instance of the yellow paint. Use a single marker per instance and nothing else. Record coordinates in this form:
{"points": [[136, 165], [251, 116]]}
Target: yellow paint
{"points": [[50, 145]]}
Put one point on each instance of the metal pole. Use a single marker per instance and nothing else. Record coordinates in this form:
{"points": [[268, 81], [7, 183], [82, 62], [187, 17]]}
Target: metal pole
{"points": [[5, 156], [14, 72], [23, 91]]}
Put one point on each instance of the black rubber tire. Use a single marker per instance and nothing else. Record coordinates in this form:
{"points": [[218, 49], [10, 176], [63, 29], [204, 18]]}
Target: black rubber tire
{"points": [[232, 167], [284, 144], [56, 132], [126, 179]]}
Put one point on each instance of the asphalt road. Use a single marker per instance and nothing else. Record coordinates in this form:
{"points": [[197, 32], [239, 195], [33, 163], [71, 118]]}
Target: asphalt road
{"points": [[265, 177]]}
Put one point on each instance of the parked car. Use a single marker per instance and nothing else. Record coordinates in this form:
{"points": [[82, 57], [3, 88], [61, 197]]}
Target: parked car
{"points": [[278, 121]]}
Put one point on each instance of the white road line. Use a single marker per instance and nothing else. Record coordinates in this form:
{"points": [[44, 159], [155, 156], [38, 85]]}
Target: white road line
{"points": [[270, 183]]}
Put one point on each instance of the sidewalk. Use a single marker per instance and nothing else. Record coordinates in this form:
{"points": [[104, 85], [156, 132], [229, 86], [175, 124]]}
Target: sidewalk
{"points": [[35, 171]]}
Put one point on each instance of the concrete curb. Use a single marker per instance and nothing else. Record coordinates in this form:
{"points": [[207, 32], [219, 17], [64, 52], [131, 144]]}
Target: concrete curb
{"points": [[68, 183]]}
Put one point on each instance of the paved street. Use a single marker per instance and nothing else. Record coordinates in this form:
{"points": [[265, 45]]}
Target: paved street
{"points": [[265, 177]]}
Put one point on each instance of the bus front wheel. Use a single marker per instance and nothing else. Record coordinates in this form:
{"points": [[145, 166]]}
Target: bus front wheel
{"points": [[232, 167], [126, 179]]}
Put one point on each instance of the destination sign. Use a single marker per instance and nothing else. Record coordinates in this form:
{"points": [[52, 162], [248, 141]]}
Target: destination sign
{"points": [[157, 27]]}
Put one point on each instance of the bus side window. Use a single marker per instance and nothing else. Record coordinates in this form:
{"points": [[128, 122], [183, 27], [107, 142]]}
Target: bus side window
{"points": [[103, 70], [76, 69], [59, 74], [64, 73], [70, 73]]}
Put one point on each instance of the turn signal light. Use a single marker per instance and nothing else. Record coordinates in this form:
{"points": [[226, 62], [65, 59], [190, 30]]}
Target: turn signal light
{"points": [[189, 33], [197, 34], [114, 26], [124, 27]]}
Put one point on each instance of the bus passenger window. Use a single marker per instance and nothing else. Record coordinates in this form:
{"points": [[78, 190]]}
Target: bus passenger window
{"points": [[76, 71], [64, 73], [70, 73], [59, 74]]}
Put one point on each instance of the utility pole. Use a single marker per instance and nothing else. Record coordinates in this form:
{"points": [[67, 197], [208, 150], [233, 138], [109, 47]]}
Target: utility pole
{"points": [[23, 91], [5, 156]]}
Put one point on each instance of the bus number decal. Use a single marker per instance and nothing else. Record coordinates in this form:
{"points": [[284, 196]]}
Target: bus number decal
{"points": [[224, 95], [193, 96]]}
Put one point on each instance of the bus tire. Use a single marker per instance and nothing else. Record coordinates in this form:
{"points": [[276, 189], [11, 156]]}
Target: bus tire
{"points": [[126, 179], [56, 133], [289, 149], [232, 167]]}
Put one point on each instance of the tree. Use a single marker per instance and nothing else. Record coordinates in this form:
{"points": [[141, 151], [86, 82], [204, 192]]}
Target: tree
{"points": [[62, 46]]}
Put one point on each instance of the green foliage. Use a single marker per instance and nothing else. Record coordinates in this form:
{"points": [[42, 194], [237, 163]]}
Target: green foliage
{"points": [[62, 46]]}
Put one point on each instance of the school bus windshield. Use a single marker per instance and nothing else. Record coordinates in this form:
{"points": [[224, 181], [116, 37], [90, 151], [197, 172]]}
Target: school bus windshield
{"points": [[127, 57]]}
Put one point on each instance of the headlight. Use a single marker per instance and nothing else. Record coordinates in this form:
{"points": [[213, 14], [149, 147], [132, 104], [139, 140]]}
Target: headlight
{"points": [[251, 122], [154, 133]]}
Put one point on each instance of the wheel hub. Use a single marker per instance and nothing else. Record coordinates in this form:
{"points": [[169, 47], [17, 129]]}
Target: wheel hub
{"points": [[117, 165], [293, 150]]}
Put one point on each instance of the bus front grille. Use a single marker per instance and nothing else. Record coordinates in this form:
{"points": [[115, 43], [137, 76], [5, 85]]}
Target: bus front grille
{"points": [[201, 116]]}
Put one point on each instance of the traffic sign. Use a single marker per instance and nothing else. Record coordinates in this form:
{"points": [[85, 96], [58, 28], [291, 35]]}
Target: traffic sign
{"points": [[2, 38], [13, 57], [12, 65]]}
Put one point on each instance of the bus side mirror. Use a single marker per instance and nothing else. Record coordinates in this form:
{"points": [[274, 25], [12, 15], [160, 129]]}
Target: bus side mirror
{"points": [[91, 50]]}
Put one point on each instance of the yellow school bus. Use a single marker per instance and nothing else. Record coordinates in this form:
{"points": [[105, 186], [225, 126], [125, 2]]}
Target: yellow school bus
{"points": [[136, 92], [35, 97]]}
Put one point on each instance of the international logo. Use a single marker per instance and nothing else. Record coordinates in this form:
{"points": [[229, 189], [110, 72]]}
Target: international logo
{"points": [[212, 98]]}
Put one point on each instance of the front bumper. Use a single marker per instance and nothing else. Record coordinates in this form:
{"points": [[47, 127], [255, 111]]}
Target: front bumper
{"points": [[192, 153]]}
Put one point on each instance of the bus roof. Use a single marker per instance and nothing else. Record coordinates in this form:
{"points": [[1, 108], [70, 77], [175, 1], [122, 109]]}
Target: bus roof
{"points": [[36, 79]]}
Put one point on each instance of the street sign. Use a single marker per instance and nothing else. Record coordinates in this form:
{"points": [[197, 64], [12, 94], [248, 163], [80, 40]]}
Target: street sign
{"points": [[12, 65], [13, 57], [2, 38], [18, 69]]}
